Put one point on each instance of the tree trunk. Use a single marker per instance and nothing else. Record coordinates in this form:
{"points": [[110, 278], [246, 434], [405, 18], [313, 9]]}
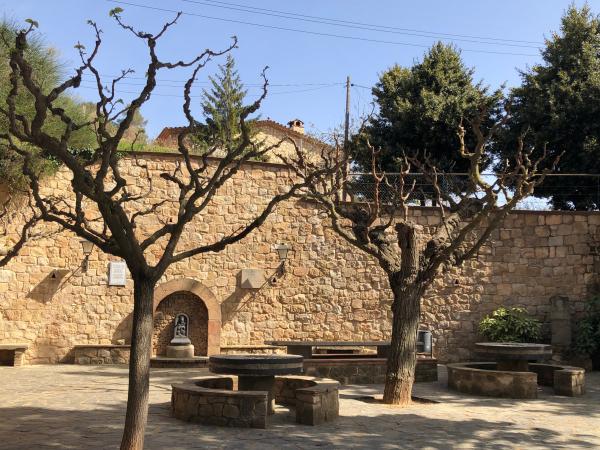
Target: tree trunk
{"points": [[406, 310], [402, 358], [139, 365]]}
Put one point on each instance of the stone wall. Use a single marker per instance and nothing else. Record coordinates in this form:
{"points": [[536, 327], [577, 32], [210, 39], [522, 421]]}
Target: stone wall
{"points": [[164, 322], [330, 291], [365, 370]]}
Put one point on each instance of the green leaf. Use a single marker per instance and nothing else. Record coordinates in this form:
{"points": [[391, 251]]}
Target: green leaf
{"points": [[510, 325], [33, 23], [115, 12]]}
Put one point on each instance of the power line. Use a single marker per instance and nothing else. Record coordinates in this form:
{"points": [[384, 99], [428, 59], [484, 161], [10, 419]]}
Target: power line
{"points": [[364, 26], [314, 33], [163, 80], [158, 94], [377, 26]]}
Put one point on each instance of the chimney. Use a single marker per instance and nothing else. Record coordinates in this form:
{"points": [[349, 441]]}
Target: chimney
{"points": [[296, 125]]}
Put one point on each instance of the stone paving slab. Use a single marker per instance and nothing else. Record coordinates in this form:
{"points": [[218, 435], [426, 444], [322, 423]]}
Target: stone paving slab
{"points": [[82, 407]]}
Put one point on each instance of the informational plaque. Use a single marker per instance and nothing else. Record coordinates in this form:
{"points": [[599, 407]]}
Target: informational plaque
{"points": [[117, 273]]}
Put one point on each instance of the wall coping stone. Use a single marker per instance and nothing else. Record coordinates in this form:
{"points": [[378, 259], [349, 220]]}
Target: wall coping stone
{"points": [[192, 386], [366, 361], [102, 346], [472, 367], [221, 392], [252, 347], [14, 346]]}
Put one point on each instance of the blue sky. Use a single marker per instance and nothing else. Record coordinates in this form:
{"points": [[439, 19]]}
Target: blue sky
{"points": [[307, 70]]}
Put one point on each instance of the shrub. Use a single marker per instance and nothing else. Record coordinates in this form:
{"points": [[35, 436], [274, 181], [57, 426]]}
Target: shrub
{"points": [[510, 325], [587, 338]]}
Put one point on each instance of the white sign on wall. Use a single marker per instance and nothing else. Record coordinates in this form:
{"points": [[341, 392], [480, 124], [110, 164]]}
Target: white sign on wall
{"points": [[117, 273]]}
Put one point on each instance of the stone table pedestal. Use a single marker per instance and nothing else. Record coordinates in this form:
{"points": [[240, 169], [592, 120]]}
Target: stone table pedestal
{"points": [[257, 372], [513, 356]]}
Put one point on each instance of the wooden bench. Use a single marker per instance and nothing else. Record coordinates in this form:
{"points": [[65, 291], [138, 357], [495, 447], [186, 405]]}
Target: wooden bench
{"points": [[12, 354]]}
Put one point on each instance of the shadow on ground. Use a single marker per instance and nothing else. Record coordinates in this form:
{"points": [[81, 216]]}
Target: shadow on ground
{"points": [[42, 428], [70, 407]]}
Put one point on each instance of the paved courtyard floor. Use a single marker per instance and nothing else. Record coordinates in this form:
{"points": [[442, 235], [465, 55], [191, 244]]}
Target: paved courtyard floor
{"points": [[82, 407]]}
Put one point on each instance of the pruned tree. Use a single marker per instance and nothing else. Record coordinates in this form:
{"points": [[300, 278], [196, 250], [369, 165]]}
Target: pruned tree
{"points": [[98, 183], [412, 256]]}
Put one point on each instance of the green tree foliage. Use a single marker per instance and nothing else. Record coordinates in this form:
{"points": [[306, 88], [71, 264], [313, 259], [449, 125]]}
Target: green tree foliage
{"points": [[510, 325], [419, 110], [587, 338], [136, 133], [222, 106], [47, 72], [558, 105]]}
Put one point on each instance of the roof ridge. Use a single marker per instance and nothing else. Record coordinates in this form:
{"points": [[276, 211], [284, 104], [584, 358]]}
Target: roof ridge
{"points": [[166, 131]]}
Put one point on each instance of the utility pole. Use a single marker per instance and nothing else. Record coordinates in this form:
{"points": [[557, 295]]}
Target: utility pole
{"points": [[347, 118], [346, 136]]}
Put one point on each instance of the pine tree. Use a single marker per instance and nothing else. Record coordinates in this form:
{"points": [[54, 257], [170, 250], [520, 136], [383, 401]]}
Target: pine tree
{"points": [[420, 108], [558, 105], [222, 106], [47, 72]]}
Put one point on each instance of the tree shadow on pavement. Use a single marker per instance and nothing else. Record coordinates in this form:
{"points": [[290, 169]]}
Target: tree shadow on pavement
{"points": [[45, 428]]}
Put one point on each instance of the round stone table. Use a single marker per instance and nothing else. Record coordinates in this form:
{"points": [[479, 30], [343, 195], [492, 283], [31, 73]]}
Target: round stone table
{"points": [[256, 372], [513, 356]]}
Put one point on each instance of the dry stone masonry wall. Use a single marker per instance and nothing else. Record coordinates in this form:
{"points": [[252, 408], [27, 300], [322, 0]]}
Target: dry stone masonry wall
{"points": [[330, 291]]}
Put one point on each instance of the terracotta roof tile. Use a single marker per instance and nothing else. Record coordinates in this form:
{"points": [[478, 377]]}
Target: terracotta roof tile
{"points": [[172, 132]]}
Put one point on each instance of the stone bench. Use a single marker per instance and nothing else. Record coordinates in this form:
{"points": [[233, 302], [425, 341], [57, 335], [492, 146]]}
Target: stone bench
{"points": [[316, 400], [100, 354], [12, 354], [212, 401], [566, 380], [483, 379]]}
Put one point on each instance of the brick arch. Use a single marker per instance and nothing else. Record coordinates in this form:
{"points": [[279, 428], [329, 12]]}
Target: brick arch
{"points": [[206, 296]]}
